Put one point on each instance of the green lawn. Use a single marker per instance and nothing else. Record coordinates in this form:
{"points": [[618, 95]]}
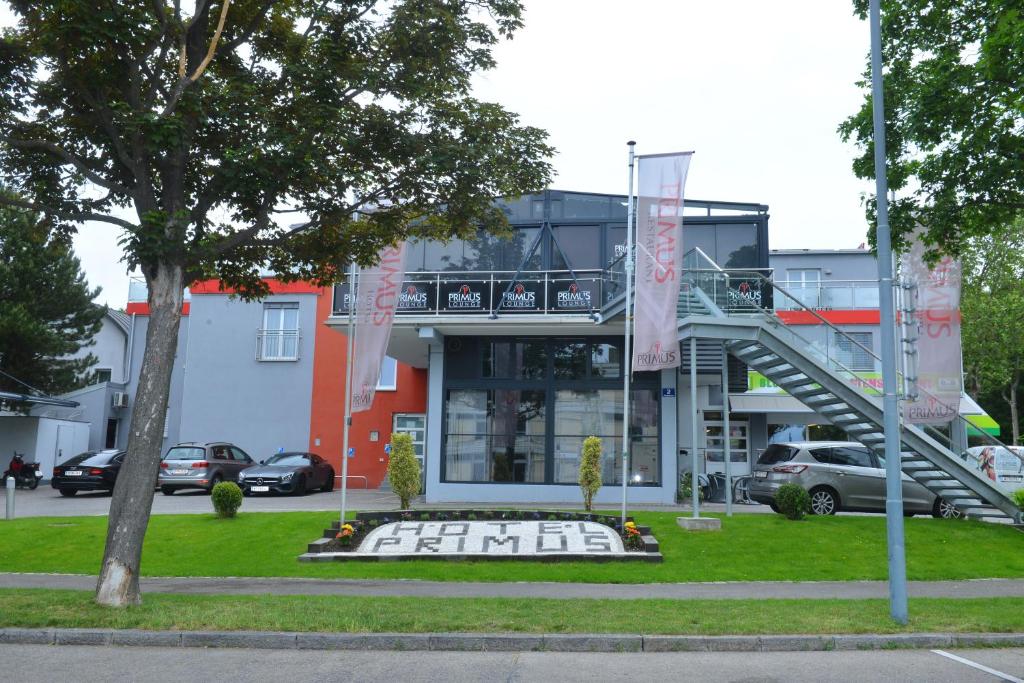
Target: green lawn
{"points": [[749, 547], [48, 608]]}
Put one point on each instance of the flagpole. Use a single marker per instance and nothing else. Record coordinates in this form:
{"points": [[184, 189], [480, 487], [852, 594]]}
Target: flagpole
{"points": [[627, 360], [348, 385]]}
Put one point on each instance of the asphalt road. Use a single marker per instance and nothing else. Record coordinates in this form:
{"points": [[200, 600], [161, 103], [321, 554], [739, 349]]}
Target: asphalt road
{"points": [[45, 501], [30, 663]]}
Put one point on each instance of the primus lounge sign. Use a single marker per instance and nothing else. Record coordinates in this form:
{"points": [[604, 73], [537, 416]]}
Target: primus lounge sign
{"points": [[464, 296]]}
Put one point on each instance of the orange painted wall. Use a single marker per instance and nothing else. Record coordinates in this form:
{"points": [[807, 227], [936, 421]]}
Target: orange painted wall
{"points": [[327, 419]]}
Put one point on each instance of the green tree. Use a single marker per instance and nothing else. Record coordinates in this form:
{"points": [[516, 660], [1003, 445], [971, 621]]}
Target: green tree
{"points": [[590, 471], [404, 469], [46, 308], [207, 137], [954, 117], [992, 307]]}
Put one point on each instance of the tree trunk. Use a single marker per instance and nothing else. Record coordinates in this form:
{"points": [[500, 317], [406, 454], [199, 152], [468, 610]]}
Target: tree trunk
{"points": [[118, 584]]}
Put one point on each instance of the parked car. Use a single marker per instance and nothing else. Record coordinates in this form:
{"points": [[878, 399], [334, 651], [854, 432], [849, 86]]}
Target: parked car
{"points": [[88, 471], [193, 465], [838, 475], [294, 472], [1005, 464]]}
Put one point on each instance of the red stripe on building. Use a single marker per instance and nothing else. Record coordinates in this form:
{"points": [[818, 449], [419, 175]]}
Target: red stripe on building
{"points": [[276, 287], [836, 317], [327, 413], [142, 308]]}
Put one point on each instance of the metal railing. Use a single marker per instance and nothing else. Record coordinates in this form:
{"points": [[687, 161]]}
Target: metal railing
{"points": [[277, 345], [719, 286], [831, 294], [495, 292]]}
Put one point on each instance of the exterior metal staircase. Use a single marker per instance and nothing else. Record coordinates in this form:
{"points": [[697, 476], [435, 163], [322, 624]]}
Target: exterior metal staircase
{"points": [[813, 375]]}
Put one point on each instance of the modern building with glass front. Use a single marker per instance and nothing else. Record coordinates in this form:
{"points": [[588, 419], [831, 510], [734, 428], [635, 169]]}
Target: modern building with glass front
{"points": [[522, 340]]}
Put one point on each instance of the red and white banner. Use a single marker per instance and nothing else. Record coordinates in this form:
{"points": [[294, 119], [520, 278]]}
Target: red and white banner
{"points": [[659, 259], [938, 338], [376, 299]]}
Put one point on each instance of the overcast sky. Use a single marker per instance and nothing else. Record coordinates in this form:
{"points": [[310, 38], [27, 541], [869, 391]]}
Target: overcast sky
{"points": [[756, 89]]}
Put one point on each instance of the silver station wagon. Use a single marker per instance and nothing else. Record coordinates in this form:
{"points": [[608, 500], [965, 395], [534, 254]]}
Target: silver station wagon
{"points": [[839, 476]]}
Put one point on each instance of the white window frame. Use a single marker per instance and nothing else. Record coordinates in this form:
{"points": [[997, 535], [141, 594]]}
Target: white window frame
{"points": [[422, 455], [274, 338], [381, 383], [852, 356]]}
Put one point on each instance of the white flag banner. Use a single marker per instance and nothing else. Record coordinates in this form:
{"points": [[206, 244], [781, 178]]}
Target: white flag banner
{"points": [[659, 259], [376, 299], [938, 338]]}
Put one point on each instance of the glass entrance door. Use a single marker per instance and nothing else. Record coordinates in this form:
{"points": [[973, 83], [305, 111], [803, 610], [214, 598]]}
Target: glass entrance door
{"points": [[415, 425], [739, 445]]}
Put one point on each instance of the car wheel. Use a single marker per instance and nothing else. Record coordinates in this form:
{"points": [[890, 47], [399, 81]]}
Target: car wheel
{"points": [[824, 502], [329, 484], [67, 493], [944, 510], [167, 490], [299, 488], [216, 480]]}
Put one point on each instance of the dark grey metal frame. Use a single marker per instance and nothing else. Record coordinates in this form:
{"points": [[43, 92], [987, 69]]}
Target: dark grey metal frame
{"points": [[549, 385]]}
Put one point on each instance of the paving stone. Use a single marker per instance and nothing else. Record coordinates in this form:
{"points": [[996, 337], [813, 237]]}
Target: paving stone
{"points": [[363, 641], [560, 642], [28, 636], [254, 639], [894, 640], [84, 636], [486, 642], [674, 644], [796, 643], [146, 638], [732, 643]]}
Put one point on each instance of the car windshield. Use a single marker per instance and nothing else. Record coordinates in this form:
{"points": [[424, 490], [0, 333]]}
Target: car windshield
{"points": [[186, 453], [289, 460], [776, 453]]}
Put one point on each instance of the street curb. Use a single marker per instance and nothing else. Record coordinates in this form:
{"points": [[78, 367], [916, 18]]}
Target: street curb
{"points": [[501, 642]]}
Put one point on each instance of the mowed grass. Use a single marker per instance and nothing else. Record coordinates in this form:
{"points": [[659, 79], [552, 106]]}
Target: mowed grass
{"points": [[75, 609], [749, 547]]}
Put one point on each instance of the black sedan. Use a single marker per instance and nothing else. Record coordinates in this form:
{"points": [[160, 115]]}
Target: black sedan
{"points": [[288, 473], [89, 471]]}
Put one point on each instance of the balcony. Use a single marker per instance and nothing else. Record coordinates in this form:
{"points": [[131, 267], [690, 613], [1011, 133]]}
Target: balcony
{"points": [[830, 295], [498, 293]]}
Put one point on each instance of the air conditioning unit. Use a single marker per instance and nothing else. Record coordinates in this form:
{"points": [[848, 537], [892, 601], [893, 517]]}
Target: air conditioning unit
{"points": [[119, 399]]}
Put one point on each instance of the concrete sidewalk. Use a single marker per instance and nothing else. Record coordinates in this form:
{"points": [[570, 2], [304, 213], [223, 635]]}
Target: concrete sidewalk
{"points": [[977, 588]]}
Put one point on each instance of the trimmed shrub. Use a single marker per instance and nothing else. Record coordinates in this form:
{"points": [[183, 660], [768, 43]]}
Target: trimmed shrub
{"points": [[1018, 497], [590, 471], [793, 501], [404, 469], [685, 491], [226, 498]]}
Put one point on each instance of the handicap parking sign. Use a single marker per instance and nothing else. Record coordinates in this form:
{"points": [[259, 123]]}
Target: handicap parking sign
{"points": [[387, 448], [351, 451]]}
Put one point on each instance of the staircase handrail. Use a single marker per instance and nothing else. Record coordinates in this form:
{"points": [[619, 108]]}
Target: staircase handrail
{"points": [[775, 287]]}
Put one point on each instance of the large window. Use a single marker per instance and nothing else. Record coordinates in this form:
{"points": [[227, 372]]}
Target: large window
{"points": [[518, 410], [279, 338], [388, 379]]}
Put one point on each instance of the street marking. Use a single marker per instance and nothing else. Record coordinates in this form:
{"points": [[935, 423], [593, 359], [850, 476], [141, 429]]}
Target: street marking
{"points": [[980, 667]]}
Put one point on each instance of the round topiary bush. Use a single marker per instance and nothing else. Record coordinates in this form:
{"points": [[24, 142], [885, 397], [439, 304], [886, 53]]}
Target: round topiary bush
{"points": [[1018, 498], [226, 498], [793, 501]]}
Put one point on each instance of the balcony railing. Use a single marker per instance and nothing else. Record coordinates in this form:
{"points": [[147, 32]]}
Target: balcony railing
{"points": [[497, 292], [832, 294], [277, 345]]}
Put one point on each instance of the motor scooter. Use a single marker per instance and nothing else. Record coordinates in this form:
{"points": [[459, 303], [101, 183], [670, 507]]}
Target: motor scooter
{"points": [[25, 474]]}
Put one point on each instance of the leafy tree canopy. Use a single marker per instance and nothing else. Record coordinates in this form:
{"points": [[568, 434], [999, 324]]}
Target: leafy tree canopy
{"points": [[221, 129], [954, 111], [46, 309]]}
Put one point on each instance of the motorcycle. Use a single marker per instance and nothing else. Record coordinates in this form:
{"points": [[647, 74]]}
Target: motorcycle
{"points": [[24, 474]]}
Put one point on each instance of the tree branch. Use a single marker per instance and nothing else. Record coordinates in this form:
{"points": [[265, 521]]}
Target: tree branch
{"points": [[78, 217], [183, 80], [78, 163]]}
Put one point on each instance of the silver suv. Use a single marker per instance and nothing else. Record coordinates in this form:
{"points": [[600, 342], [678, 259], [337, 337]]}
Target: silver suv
{"points": [[839, 475], [193, 465]]}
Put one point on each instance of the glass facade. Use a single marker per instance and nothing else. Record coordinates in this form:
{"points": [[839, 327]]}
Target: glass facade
{"points": [[518, 409]]}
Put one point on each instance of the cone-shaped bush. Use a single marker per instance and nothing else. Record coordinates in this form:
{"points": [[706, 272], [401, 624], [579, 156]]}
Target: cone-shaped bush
{"points": [[590, 470], [404, 469]]}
